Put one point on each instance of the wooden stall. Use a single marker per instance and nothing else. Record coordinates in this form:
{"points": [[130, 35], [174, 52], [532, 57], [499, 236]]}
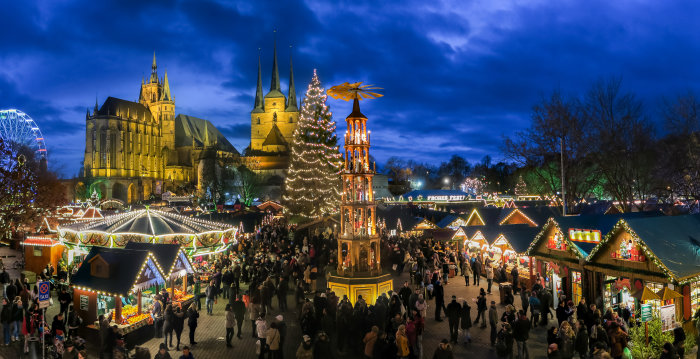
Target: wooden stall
{"points": [[40, 251], [173, 259], [118, 283], [658, 253]]}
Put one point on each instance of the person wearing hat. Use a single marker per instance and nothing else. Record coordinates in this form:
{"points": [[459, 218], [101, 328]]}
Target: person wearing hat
{"points": [[493, 321], [70, 352], [306, 349], [444, 350], [162, 352]]}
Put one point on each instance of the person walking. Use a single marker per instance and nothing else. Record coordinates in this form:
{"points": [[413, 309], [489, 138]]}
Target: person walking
{"points": [[514, 273], [476, 270], [566, 340], [521, 333], [454, 311], [534, 309], [493, 321], [481, 309], [6, 320], [282, 289], [198, 293], [230, 322], [618, 340], [238, 309], [439, 294], [192, 319], [168, 319], [466, 272], [178, 325], [466, 321], [261, 332], [210, 292], [504, 347]]}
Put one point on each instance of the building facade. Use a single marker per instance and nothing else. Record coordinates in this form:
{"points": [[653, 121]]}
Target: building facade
{"points": [[139, 149], [272, 123]]}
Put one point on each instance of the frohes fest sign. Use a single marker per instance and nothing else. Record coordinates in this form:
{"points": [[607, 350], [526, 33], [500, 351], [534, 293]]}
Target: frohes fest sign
{"points": [[447, 198]]}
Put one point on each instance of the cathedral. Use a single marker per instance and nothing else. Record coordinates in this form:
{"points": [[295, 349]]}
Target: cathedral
{"points": [[272, 122], [138, 149]]}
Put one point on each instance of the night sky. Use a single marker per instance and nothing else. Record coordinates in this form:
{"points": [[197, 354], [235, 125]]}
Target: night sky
{"points": [[457, 75]]}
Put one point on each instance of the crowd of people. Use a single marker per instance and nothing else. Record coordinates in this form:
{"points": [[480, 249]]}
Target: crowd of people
{"points": [[256, 277]]}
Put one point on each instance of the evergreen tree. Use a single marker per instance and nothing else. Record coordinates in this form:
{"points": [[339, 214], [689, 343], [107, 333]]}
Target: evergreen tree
{"points": [[312, 186]]}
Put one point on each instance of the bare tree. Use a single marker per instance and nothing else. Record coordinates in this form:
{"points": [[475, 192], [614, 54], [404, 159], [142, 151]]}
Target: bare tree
{"points": [[557, 123], [624, 141]]}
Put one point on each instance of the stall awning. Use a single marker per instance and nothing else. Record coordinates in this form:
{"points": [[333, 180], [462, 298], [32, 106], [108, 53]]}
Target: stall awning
{"points": [[645, 294], [40, 242], [668, 294]]}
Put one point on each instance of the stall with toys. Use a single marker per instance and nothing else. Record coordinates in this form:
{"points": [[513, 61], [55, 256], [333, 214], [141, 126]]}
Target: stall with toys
{"points": [[173, 259], [121, 285]]}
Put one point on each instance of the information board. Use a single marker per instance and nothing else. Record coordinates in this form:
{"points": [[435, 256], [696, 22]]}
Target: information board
{"points": [[668, 317], [84, 302], [646, 312]]}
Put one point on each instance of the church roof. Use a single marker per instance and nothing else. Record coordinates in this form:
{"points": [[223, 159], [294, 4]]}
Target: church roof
{"points": [[117, 107], [188, 128], [274, 137]]}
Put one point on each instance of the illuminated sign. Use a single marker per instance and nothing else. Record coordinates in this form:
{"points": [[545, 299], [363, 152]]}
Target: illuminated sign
{"points": [[584, 235], [556, 242], [628, 250], [447, 198]]}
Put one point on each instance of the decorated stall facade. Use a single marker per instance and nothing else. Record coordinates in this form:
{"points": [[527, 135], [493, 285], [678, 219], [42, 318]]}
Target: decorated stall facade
{"points": [[118, 283], [658, 255], [40, 251], [173, 259], [196, 236]]}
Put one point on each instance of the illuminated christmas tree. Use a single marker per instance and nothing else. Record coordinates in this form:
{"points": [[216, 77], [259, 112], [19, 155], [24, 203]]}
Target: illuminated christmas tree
{"points": [[520, 187], [312, 186]]}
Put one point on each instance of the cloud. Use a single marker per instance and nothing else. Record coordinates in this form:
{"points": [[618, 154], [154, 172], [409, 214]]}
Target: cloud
{"points": [[457, 76]]}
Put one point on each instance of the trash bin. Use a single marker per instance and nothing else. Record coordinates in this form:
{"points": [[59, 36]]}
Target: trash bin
{"points": [[504, 288]]}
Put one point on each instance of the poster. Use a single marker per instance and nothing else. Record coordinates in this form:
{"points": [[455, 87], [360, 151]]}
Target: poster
{"points": [[668, 317], [84, 302], [646, 312]]}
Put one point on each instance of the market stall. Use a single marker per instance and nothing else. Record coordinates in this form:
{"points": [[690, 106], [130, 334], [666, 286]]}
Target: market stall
{"points": [[120, 284], [39, 251], [658, 253], [510, 247], [172, 258]]}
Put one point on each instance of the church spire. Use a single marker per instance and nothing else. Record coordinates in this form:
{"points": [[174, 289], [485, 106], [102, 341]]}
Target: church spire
{"points": [[258, 106], [94, 112], [154, 70], [275, 83], [292, 97], [165, 95]]}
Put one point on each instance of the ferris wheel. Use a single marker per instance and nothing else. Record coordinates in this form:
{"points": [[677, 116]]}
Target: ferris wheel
{"points": [[17, 127]]}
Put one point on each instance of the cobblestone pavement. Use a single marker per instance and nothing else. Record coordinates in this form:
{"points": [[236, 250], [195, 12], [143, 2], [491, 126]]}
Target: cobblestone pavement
{"points": [[211, 332]]}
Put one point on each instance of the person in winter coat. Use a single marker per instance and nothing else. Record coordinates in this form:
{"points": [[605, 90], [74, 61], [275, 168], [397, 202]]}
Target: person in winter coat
{"points": [[178, 325], [6, 320], [493, 321], [402, 350], [192, 319], [566, 340], [168, 319], [581, 344], [305, 349], [422, 306], [561, 315], [598, 335], [489, 278], [466, 321], [439, 294], [618, 340], [230, 323], [443, 351], [679, 340], [454, 311], [535, 309], [521, 333], [466, 272], [505, 336], [323, 349], [273, 339], [598, 351], [162, 352], [369, 340]]}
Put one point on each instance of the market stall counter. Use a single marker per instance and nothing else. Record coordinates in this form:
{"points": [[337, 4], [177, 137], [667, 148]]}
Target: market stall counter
{"points": [[173, 259], [120, 284]]}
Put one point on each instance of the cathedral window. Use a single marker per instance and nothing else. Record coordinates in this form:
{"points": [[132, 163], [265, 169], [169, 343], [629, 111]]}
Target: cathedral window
{"points": [[291, 120], [274, 117], [258, 120]]}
